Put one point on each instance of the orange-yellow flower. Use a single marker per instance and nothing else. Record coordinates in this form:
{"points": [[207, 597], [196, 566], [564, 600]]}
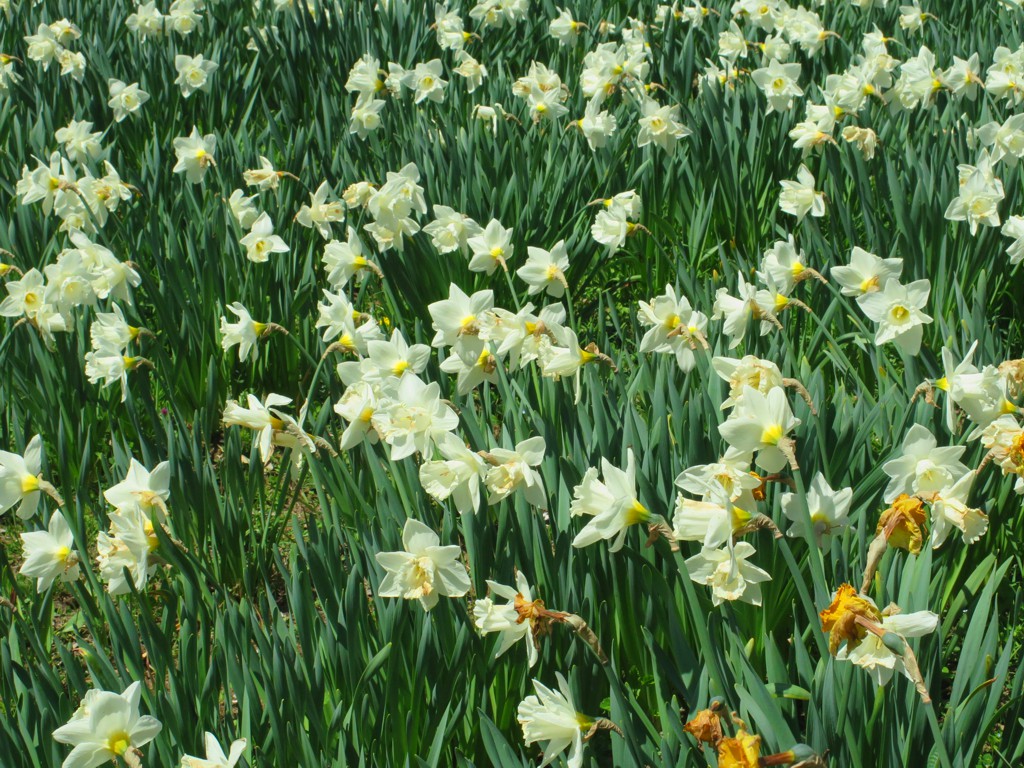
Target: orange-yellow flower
{"points": [[742, 751], [706, 726], [840, 618], [902, 523]]}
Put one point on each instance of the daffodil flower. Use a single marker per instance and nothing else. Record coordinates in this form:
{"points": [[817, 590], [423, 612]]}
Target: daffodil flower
{"points": [[612, 505], [106, 727], [660, 125], [148, 490], [50, 554], [778, 82], [728, 573], [319, 213], [799, 197], [125, 99], [898, 310], [261, 240], [922, 467], [551, 716], [512, 620], [1014, 227], [425, 570], [866, 273], [458, 315], [457, 475], [410, 416], [761, 423], [343, 260], [491, 248], [827, 510], [128, 546], [512, 469], [193, 73], [545, 270], [215, 757], [195, 155], [950, 512]]}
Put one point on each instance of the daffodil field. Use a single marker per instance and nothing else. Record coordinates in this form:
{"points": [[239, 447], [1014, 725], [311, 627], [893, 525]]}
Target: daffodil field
{"points": [[511, 383]]}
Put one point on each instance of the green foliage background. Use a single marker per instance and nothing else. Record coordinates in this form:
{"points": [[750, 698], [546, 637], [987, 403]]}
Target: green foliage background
{"points": [[266, 623]]}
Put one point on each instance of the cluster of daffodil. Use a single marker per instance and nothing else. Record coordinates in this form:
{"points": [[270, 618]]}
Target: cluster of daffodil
{"points": [[848, 95], [609, 69], [81, 277], [127, 551], [182, 17], [107, 727]]}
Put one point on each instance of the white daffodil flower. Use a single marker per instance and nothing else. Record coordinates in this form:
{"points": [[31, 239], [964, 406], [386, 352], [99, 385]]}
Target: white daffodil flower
{"points": [[827, 510], [106, 727], [215, 757], [728, 573], [922, 467], [49, 554], [425, 570]]}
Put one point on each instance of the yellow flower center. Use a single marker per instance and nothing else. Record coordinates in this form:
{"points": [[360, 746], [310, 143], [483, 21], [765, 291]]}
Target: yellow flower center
{"points": [[400, 367], [820, 523], [740, 517], [637, 513], [29, 483], [772, 435], [869, 284], [421, 578], [1015, 453], [497, 252], [585, 723], [118, 743], [31, 300], [899, 313], [61, 554]]}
